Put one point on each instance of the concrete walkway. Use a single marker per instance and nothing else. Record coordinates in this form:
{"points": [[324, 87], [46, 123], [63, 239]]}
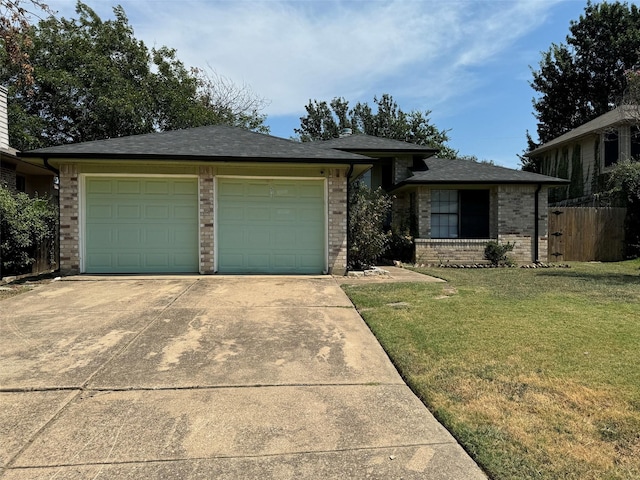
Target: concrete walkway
{"points": [[206, 377]]}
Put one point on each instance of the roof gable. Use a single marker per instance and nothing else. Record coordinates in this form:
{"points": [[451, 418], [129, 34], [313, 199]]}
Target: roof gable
{"points": [[623, 114], [359, 142], [209, 143]]}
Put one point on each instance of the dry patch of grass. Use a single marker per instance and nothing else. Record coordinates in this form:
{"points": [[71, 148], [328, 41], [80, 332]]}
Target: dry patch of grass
{"points": [[536, 373]]}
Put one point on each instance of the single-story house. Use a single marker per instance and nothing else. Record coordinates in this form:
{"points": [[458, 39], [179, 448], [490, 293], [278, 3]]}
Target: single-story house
{"points": [[454, 207], [213, 199], [219, 199], [587, 153]]}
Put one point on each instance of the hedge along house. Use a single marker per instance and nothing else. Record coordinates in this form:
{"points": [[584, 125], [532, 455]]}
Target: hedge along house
{"points": [[452, 208], [586, 154], [213, 199]]}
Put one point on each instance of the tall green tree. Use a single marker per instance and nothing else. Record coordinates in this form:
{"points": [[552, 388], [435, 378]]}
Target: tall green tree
{"points": [[326, 120], [93, 79], [585, 77]]}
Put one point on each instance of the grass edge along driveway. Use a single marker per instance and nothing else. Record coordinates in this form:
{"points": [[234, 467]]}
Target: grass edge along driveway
{"points": [[536, 372]]}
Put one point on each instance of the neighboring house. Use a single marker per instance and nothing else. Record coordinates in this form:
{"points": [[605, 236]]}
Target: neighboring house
{"points": [[15, 174], [225, 200], [586, 154], [454, 207]]}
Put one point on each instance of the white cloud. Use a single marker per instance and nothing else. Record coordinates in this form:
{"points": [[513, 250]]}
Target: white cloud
{"points": [[289, 52]]}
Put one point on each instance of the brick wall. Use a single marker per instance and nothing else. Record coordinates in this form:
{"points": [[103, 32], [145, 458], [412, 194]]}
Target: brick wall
{"points": [[511, 217], [337, 190], [450, 250], [207, 247], [402, 168], [516, 220], [69, 224]]}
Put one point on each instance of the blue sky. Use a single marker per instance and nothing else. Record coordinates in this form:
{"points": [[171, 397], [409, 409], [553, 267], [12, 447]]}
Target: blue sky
{"points": [[466, 61]]}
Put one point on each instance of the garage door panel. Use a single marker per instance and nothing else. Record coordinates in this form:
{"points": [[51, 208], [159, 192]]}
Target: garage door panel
{"points": [[258, 262], [311, 191], [231, 214], [260, 231], [129, 212], [127, 237], [156, 211], [156, 187], [258, 189], [138, 225], [284, 261], [128, 186], [184, 213], [157, 238], [100, 212]]}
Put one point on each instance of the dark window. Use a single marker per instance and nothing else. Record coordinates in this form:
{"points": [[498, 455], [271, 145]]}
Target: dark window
{"points": [[387, 176], [610, 148], [460, 213], [474, 213], [21, 183], [635, 143]]}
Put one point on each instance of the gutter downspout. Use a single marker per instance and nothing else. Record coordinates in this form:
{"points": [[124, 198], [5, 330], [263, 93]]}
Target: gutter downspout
{"points": [[537, 225], [349, 173]]}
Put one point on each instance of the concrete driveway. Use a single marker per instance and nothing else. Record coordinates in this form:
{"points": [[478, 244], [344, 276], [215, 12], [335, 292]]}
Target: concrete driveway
{"points": [[206, 377]]}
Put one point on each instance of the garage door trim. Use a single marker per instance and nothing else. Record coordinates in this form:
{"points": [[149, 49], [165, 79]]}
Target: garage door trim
{"points": [[325, 225], [82, 195]]}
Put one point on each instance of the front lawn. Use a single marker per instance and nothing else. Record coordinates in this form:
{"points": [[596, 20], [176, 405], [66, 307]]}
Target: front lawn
{"points": [[535, 371]]}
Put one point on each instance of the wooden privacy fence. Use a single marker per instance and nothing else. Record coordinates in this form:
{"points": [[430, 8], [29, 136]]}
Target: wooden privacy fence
{"points": [[584, 234]]}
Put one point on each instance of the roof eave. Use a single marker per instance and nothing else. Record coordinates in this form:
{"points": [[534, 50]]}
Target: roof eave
{"points": [[408, 183], [193, 158]]}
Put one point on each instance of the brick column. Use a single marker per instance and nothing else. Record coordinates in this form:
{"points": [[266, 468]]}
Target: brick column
{"points": [[206, 183], [337, 191], [424, 212], [69, 223]]}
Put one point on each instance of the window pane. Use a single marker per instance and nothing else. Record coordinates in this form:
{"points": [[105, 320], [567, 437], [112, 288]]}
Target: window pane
{"points": [[635, 142], [444, 213], [474, 213], [610, 148]]}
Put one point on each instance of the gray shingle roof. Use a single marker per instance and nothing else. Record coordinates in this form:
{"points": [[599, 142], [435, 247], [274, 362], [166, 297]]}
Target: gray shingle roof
{"points": [[208, 143], [368, 143], [622, 114], [443, 170]]}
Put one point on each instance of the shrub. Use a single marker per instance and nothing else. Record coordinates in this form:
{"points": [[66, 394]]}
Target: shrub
{"points": [[368, 213], [624, 183], [401, 247], [24, 223], [496, 253]]}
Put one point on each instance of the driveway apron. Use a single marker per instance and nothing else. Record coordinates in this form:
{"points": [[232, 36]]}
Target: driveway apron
{"points": [[207, 377]]}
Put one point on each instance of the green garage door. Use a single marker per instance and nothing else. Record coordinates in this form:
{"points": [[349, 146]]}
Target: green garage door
{"points": [[271, 226], [141, 225]]}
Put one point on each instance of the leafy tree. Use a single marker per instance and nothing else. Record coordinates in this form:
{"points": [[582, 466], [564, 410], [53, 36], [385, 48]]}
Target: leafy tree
{"points": [[25, 222], [93, 80], [368, 212], [624, 184], [14, 27], [324, 121], [585, 77]]}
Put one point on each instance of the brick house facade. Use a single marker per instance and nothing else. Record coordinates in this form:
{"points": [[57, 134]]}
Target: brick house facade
{"points": [[242, 157], [484, 202]]}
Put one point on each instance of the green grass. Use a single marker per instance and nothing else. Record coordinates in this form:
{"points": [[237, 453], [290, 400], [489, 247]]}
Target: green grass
{"points": [[535, 371]]}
